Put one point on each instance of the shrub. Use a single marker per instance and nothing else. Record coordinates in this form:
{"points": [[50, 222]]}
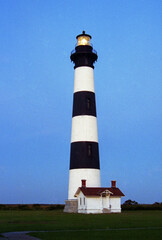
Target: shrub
{"points": [[130, 202], [142, 207], [23, 207], [36, 206], [56, 206]]}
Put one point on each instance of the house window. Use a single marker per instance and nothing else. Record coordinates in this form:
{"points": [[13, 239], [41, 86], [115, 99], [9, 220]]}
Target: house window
{"points": [[89, 150], [103, 194], [80, 201], [84, 200]]}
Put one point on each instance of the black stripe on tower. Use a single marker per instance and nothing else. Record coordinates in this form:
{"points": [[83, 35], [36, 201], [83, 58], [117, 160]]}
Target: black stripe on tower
{"points": [[84, 103], [84, 155], [83, 56]]}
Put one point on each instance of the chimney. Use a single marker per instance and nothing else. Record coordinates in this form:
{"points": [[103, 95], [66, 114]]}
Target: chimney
{"points": [[83, 183], [113, 184]]}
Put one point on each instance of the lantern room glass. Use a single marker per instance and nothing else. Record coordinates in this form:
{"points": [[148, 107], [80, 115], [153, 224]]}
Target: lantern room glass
{"points": [[83, 40]]}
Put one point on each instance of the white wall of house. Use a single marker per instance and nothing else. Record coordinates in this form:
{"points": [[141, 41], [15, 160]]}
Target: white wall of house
{"points": [[94, 205], [115, 203], [97, 204], [82, 203], [89, 205]]}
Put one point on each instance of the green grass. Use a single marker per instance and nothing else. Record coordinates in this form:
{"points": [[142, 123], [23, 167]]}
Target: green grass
{"points": [[39, 220], [103, 235]]}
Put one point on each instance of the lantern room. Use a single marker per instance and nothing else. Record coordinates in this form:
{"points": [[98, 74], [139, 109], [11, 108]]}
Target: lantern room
{"points": [[83, 39]]}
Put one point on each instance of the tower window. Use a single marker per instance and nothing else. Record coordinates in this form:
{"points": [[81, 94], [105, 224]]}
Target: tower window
{"points": [[88, 103], [89, 150]]}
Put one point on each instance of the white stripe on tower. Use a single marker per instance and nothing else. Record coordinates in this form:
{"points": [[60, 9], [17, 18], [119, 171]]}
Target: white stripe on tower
{"points": [[84, 79], [84, 156], [84, 128]]}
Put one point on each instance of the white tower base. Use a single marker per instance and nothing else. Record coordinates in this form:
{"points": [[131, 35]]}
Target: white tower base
{"points": [[92, 177]]}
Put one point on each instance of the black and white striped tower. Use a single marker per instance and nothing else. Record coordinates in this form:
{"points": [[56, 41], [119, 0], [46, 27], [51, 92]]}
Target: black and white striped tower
{"points": [[84, 156]]}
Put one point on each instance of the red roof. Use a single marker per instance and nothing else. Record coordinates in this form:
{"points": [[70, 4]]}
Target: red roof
{"points": [[93, 191]]}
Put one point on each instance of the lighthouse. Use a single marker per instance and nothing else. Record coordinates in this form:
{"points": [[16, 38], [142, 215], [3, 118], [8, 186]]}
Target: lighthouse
{"points": [[84, 152], [85, 194]]}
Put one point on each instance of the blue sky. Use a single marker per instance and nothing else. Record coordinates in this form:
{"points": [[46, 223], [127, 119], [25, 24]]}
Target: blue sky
{"points": [[36, 93]]}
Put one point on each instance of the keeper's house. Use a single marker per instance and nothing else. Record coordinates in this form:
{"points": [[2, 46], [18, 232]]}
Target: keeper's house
{"points": [[99, 199]]}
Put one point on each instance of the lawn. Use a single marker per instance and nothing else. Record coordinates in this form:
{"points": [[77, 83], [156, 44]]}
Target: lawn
{"points": [[103, 235], [127, 225]]}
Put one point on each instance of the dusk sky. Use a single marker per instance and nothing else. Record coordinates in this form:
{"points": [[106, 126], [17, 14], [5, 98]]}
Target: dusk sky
{"points": [[36, 94]]}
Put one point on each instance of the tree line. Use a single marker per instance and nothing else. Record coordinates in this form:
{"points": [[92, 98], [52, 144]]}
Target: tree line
{"points": [[133, 205]]}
